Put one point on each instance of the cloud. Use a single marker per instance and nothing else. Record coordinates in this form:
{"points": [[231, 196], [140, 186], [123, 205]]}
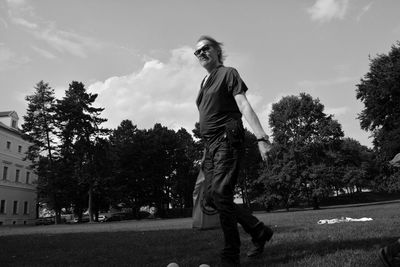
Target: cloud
{"points": [[364, 10], [67, 42], [396, 30], [3, 22], [326, 10], [22, 14], [43, 52], [336, 111], [16, 2], [9, 60], [309, 84], [161, 92], [24, 23]]}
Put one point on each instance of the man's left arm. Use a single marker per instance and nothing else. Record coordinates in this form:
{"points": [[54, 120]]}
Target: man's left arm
{"points": [[252, 118]]}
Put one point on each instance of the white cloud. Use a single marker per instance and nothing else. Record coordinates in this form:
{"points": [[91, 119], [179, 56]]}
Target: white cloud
{"points": [[5, 56], [4, 23], [68, 42], [23, 22], [396, 30], [309, 84], [364, 10], [22, 14], [326, 10], [336, 111], [159, 93], [16, 2], [9, 60], [43, 52]]}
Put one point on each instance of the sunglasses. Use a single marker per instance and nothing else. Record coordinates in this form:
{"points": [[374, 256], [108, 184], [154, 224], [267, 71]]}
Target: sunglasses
{"points": [[200, 50]]}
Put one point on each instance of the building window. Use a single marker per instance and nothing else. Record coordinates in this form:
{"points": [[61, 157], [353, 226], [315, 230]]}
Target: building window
{"points": [[8, 145], [26, 207], [19, 149], [15, 207], [14, 124], [17, 176], [2, 206], [28, 176], [5, 172]]}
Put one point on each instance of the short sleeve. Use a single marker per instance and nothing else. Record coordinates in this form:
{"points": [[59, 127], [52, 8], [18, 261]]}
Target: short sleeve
{"points": [[235, 84]]}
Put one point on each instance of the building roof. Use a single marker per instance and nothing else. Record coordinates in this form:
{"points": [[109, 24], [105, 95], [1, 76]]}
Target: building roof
{"points": [[10, 129], [11, 114], [5, 113]]}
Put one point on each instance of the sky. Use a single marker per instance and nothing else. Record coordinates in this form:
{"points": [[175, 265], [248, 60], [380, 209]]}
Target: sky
{"points": [[138, 57]]}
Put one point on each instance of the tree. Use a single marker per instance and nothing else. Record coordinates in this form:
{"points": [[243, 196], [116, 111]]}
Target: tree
{"points": [[130, 187], [160, 159], [39, 127], [79, 123], [303, 135], [39, 122], [185, 170], [250, 169], [379, 91]]}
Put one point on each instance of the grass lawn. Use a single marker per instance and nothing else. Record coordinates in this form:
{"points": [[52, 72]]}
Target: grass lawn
{"points": [[298, 241]]}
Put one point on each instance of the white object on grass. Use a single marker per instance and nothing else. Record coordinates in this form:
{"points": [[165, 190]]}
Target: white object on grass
{"points": [[343, 219], [173, 264], [396, 160], [204, 265]]}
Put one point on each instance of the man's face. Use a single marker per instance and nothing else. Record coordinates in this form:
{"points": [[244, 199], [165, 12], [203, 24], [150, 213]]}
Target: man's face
{"points": [[207, 55]]}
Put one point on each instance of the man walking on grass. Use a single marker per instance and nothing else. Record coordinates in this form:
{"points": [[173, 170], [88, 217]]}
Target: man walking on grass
{"points": [[222, 102], [390, 255]]}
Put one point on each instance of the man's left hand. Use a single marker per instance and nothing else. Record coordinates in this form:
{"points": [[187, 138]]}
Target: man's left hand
{"points": [[264, 148]]}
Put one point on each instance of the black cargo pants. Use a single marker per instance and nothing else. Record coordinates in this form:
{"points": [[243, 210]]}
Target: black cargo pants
{"points": [[221, 169]]}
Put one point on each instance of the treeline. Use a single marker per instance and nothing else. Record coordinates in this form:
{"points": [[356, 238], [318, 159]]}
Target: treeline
{"points": [[83, 166]]}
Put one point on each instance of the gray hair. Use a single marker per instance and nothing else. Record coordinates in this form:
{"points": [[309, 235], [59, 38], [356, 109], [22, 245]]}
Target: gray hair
{"points": [[216, 45]]}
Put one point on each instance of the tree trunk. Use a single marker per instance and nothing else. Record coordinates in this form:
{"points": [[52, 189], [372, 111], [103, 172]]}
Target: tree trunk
{"points": [[58, 216], [315, 203], [90, 203]]}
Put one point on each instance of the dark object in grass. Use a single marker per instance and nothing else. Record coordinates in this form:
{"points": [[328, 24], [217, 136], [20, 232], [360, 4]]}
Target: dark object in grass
{"points": [[259, 243], [390, 255]]}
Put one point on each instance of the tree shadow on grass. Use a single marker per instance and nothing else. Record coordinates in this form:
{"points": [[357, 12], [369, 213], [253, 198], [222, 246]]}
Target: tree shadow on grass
{"points": [[286, 253], [353, 205]]}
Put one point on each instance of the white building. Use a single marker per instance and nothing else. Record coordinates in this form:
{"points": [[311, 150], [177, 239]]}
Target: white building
{"points": [[18, 195]]}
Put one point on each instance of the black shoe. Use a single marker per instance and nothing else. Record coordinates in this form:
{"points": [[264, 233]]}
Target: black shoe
{"points": [[390, 255], [259, 243]]}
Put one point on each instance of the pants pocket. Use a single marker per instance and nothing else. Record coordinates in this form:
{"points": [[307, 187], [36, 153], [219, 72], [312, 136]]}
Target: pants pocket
{"points": [[234, 132]]}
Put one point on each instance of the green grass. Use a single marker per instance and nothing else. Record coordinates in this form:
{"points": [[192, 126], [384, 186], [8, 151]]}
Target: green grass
{"points": [[298, 241]]}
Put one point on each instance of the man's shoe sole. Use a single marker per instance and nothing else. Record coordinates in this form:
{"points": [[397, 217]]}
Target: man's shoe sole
{"points": [[260, 249]]}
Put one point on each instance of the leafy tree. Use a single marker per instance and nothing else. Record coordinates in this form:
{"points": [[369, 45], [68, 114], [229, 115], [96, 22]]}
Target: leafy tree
{"points": [[130, 186], [357, 164], [303, 135], [379, 91], [160, 159], [185, 171], [250, 169], [101, 169]]}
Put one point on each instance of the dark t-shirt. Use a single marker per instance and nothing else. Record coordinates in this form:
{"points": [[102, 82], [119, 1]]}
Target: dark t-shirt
{"points": [[216, 102]]}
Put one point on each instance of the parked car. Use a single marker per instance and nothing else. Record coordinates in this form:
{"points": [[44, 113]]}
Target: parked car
{"points": [[102, 217], [84, 219], [67, 218], [115, 217], [45, 221]]}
